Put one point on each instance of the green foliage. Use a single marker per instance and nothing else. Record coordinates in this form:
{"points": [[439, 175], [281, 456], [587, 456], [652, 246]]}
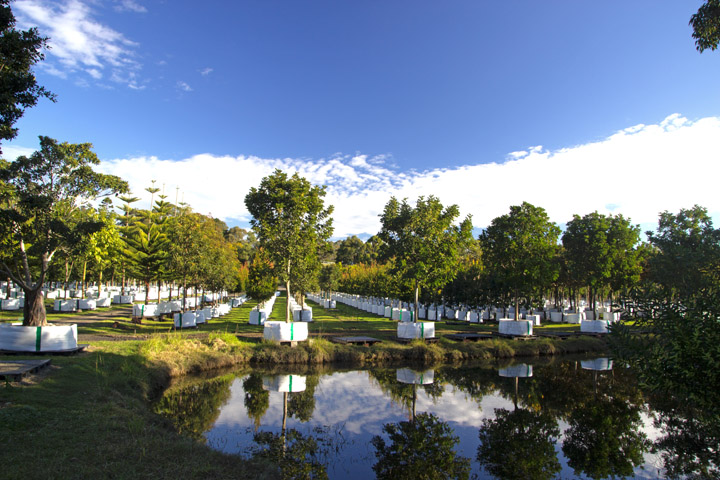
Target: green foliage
{"points": [[350, 251], [423, 242], [706, 25], [257, 399], [295, 454], [262, 282], [686, 260], [20, 50], [329, 277], [519, 445], [291, 223], [422, 449], [42, 194], [519, 249]]}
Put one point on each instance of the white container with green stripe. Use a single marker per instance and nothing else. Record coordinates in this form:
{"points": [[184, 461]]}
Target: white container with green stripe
{"points": [[286, 332], [185, 320], [416, 330], [597, 364], [508, 326], [149, 310], [51, 338], [594, 326]]}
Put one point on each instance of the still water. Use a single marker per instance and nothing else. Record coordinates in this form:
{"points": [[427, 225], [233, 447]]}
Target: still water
{"points": [[562, 418]]}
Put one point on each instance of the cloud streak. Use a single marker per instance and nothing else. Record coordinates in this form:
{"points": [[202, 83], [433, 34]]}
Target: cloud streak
{"points": [[638, 172], [81, 45]]}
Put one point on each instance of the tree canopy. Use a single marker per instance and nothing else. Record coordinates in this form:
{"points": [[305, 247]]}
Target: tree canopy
{"points": [[40, 192], [423, 241], [20, 50], [706, 26], [290, 221]]}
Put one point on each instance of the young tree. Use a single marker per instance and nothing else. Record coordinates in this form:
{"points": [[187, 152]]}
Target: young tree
{"points": [[519, 249], [289, 219], [19, 52], [350, 251], [57, 178], [423, 241]]}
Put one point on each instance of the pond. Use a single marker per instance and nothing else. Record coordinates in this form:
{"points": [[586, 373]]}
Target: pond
{"points": [[557, 418]]}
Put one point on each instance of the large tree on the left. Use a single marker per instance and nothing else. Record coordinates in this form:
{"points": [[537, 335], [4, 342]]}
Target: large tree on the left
{"points": [[38, 195], [20, 50]]}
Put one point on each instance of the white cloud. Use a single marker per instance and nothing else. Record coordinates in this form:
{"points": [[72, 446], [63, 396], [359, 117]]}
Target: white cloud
{"points": [[206, 71], [78, 42], [184, 86], [638, 172], [129, 6]]}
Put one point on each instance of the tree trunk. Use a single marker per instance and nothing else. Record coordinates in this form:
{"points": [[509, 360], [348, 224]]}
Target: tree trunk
{"points": [[288, 312], [8, 290], [100, 283], [34, 309], [517, 306], [417, 295], [84, 275]]}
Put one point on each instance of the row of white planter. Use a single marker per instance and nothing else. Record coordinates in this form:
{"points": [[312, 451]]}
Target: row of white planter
{"points": [[259, 315], [326, 303]]}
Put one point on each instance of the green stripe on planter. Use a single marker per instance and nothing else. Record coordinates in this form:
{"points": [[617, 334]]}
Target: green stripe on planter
{"points": [[422, 378], [180, 320], [290, 383], [422, 330], [529, 327], [292, 331], [38, 338], [142, 310]]}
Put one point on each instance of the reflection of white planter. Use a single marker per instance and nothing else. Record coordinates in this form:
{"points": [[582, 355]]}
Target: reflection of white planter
{"points": [[103, 302], [556, 317], [257, 317], [405, 375], [285, 332], [184, 320], [594, 326], [508, 326], [38, 339], [284, 383], [416, 330], [11, 304], [122, 299], [599, 364], [65, 305], [520, 370]]}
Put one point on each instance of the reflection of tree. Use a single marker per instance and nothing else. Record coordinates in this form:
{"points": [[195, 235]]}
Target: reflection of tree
{"points": [[519, 445], [257, 399], [301, 405], [423, 448], [194, 408], [605, 439], [690, 445], [296, 455]]}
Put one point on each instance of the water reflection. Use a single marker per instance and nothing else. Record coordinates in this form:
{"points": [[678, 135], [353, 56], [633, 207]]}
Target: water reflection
{"points": [[542, 420]]}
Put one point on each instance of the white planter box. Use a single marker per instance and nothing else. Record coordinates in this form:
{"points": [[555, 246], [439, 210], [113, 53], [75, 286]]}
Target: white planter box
{"points": [[11, 304], [594, 326], [598, 364], [610, 316], [257, 317], [87, 304], [521, 370], [285, 332], [416, 330], [556, 317], [573, 318], [207, 312], [405, 375], [302, 315], [474, 317], [103, 302], [200, 317], [451, 314], [397, 314], [589, 315], [122, 299], [284, 383], [535, 319], [407, 316], [65, 305], [507, 326], [184, 320], [51, 338], [150, 310], [388, 312], [422, 314], [237, 302]]}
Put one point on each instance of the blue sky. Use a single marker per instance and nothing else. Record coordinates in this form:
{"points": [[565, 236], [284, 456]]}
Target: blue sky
{"points": [[574, 106]]}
